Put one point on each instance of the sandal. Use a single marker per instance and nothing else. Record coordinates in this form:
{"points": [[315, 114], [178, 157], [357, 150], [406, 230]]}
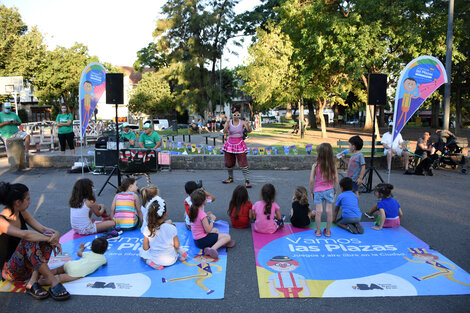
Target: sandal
{"points": [[228, 181], [327, 234], [59, 293], [211, 252], [35, 291], [318, 233]]}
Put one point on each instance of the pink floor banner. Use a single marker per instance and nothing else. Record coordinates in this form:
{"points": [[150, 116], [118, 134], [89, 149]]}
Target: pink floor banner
{"points": [[293, 263]]}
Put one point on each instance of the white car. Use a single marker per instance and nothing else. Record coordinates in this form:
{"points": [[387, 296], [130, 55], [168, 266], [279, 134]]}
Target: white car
{"points": [[158, 124]]}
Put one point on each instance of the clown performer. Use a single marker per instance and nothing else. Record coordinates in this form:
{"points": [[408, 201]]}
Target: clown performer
{"points": [[89, 95], [427, 258], [286, 283], [204, 271], [235, 148], [410, 85]]}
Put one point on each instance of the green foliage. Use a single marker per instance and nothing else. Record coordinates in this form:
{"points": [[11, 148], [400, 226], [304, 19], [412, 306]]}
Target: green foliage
{"points": [[152, 95]]}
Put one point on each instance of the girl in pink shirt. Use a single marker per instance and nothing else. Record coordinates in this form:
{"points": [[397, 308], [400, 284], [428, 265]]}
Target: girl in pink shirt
{"points": [[323, 178], [267, 214], [205, 235]]}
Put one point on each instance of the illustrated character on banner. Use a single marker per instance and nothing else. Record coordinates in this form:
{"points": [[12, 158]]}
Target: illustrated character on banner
{"points": [[204, 271], [285, 283], [410, 85], [89, 95], [430, 259]]}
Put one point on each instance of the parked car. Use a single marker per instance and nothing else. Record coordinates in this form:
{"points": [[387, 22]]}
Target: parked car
{"points": [[352, 122], [158, 124]]}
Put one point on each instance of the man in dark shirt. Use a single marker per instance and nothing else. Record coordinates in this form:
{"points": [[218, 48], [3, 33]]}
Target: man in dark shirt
{"points": [[424, 146]]}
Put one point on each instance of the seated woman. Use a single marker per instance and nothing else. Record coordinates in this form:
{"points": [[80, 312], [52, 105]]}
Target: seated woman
{"points": [[24, 253]]}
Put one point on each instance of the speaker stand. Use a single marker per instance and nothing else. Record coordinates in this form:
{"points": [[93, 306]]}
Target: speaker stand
{"points": [[115, 168], [369, 174]]}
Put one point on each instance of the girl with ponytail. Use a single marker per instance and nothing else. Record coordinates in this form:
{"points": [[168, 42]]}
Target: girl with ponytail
{"points": [[267, 214]]}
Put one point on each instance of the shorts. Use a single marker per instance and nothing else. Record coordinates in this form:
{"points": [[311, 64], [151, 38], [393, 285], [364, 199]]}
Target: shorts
{"points": [[208, 241], [398, 150], [326, 195], [348, 220], [231, 158], [355, 187], [19, 134], [88, 230]]}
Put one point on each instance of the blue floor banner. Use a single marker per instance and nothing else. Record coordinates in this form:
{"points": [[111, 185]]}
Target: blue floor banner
{"points": [[293, 263], [126, 275]]}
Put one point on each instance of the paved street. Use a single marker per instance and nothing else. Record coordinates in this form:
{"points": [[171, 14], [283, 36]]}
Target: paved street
{"points": [[436, 209]]}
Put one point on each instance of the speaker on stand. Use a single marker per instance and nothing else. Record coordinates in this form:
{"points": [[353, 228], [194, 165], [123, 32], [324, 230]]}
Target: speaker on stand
{"points": [[114, 95], [376, 95]]}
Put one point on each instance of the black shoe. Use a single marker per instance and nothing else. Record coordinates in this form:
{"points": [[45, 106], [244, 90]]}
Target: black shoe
{"points": [[407, 172], [352, 228]]}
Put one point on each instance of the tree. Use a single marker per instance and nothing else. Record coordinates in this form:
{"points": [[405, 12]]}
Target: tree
{"points": [[189, 41], [152, 95]]}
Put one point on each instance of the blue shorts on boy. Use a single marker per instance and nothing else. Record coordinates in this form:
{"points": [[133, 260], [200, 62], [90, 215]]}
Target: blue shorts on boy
{"points": [[87, 264], [355, 165], [349, 205]]}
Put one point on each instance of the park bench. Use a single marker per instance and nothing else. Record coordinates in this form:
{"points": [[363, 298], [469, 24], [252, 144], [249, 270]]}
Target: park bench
{"points": [[213, 136]]}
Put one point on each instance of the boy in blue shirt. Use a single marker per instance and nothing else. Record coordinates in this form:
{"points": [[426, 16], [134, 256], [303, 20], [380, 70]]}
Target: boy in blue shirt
{"points": [[350, 213]]}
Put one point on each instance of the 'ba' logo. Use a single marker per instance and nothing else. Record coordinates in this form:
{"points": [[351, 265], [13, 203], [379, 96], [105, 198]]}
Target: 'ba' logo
{"points": [[367, 287]]}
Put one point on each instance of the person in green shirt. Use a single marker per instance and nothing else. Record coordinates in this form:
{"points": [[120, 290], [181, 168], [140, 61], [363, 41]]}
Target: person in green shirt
{"points": [[149, 138], [9, 122], [128, 134], [64, 122]]}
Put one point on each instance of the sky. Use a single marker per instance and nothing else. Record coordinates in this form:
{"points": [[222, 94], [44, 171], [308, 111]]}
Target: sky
{"points": [[113, 30]]}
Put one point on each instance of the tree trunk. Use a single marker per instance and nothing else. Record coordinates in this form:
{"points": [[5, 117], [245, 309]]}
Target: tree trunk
{"points": [[312, 121], [288, 111], [381, 116], [321, 106], [458, 110]]}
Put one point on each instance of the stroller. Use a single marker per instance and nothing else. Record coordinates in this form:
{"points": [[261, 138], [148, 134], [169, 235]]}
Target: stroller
{"points": [[451, 148]]}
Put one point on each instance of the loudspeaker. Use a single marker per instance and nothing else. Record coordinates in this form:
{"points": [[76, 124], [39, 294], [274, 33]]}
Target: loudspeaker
{"points": [[115, 88], [377, 93], [105, 158]]}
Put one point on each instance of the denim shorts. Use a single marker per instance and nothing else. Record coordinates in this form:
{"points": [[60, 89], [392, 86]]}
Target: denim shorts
{"points": [[327, 195], [208, 241], [355, 187]]}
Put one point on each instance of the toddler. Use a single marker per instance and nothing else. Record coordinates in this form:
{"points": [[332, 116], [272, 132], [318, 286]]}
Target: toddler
{"points": [[389, 209], [89, 262], [239, 208], [300, 212], [147, 193], [323, 178], [205, 235], [161, 245], [266, 212], [350, 213]]}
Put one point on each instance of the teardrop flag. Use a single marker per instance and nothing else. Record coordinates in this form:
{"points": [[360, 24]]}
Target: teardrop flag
{"points": [[420, 78], [92, 87]]}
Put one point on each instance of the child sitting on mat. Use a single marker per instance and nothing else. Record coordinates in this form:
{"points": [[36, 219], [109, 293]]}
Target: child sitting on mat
{"points": [[266, 212], [189, 187], [239, 208], [389, 209], [125, 209], [161, 245], [82, 206], [205, 235], [300, 213], [350, 213], [147, 193], [89, 262]]}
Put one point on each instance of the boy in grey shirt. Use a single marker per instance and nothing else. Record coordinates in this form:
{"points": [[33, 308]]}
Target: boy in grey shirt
{"points": [[357, 163]]}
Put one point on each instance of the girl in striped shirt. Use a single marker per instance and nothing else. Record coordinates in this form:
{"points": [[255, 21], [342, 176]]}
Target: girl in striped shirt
{"points": [[125, 209]]}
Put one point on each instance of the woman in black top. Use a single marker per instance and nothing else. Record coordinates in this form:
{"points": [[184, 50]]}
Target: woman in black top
{"points": [[300, 212], [24, 253]]}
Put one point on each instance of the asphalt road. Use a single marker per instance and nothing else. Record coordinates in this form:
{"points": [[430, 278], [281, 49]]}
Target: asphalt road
{"points": [[436, 210]]}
